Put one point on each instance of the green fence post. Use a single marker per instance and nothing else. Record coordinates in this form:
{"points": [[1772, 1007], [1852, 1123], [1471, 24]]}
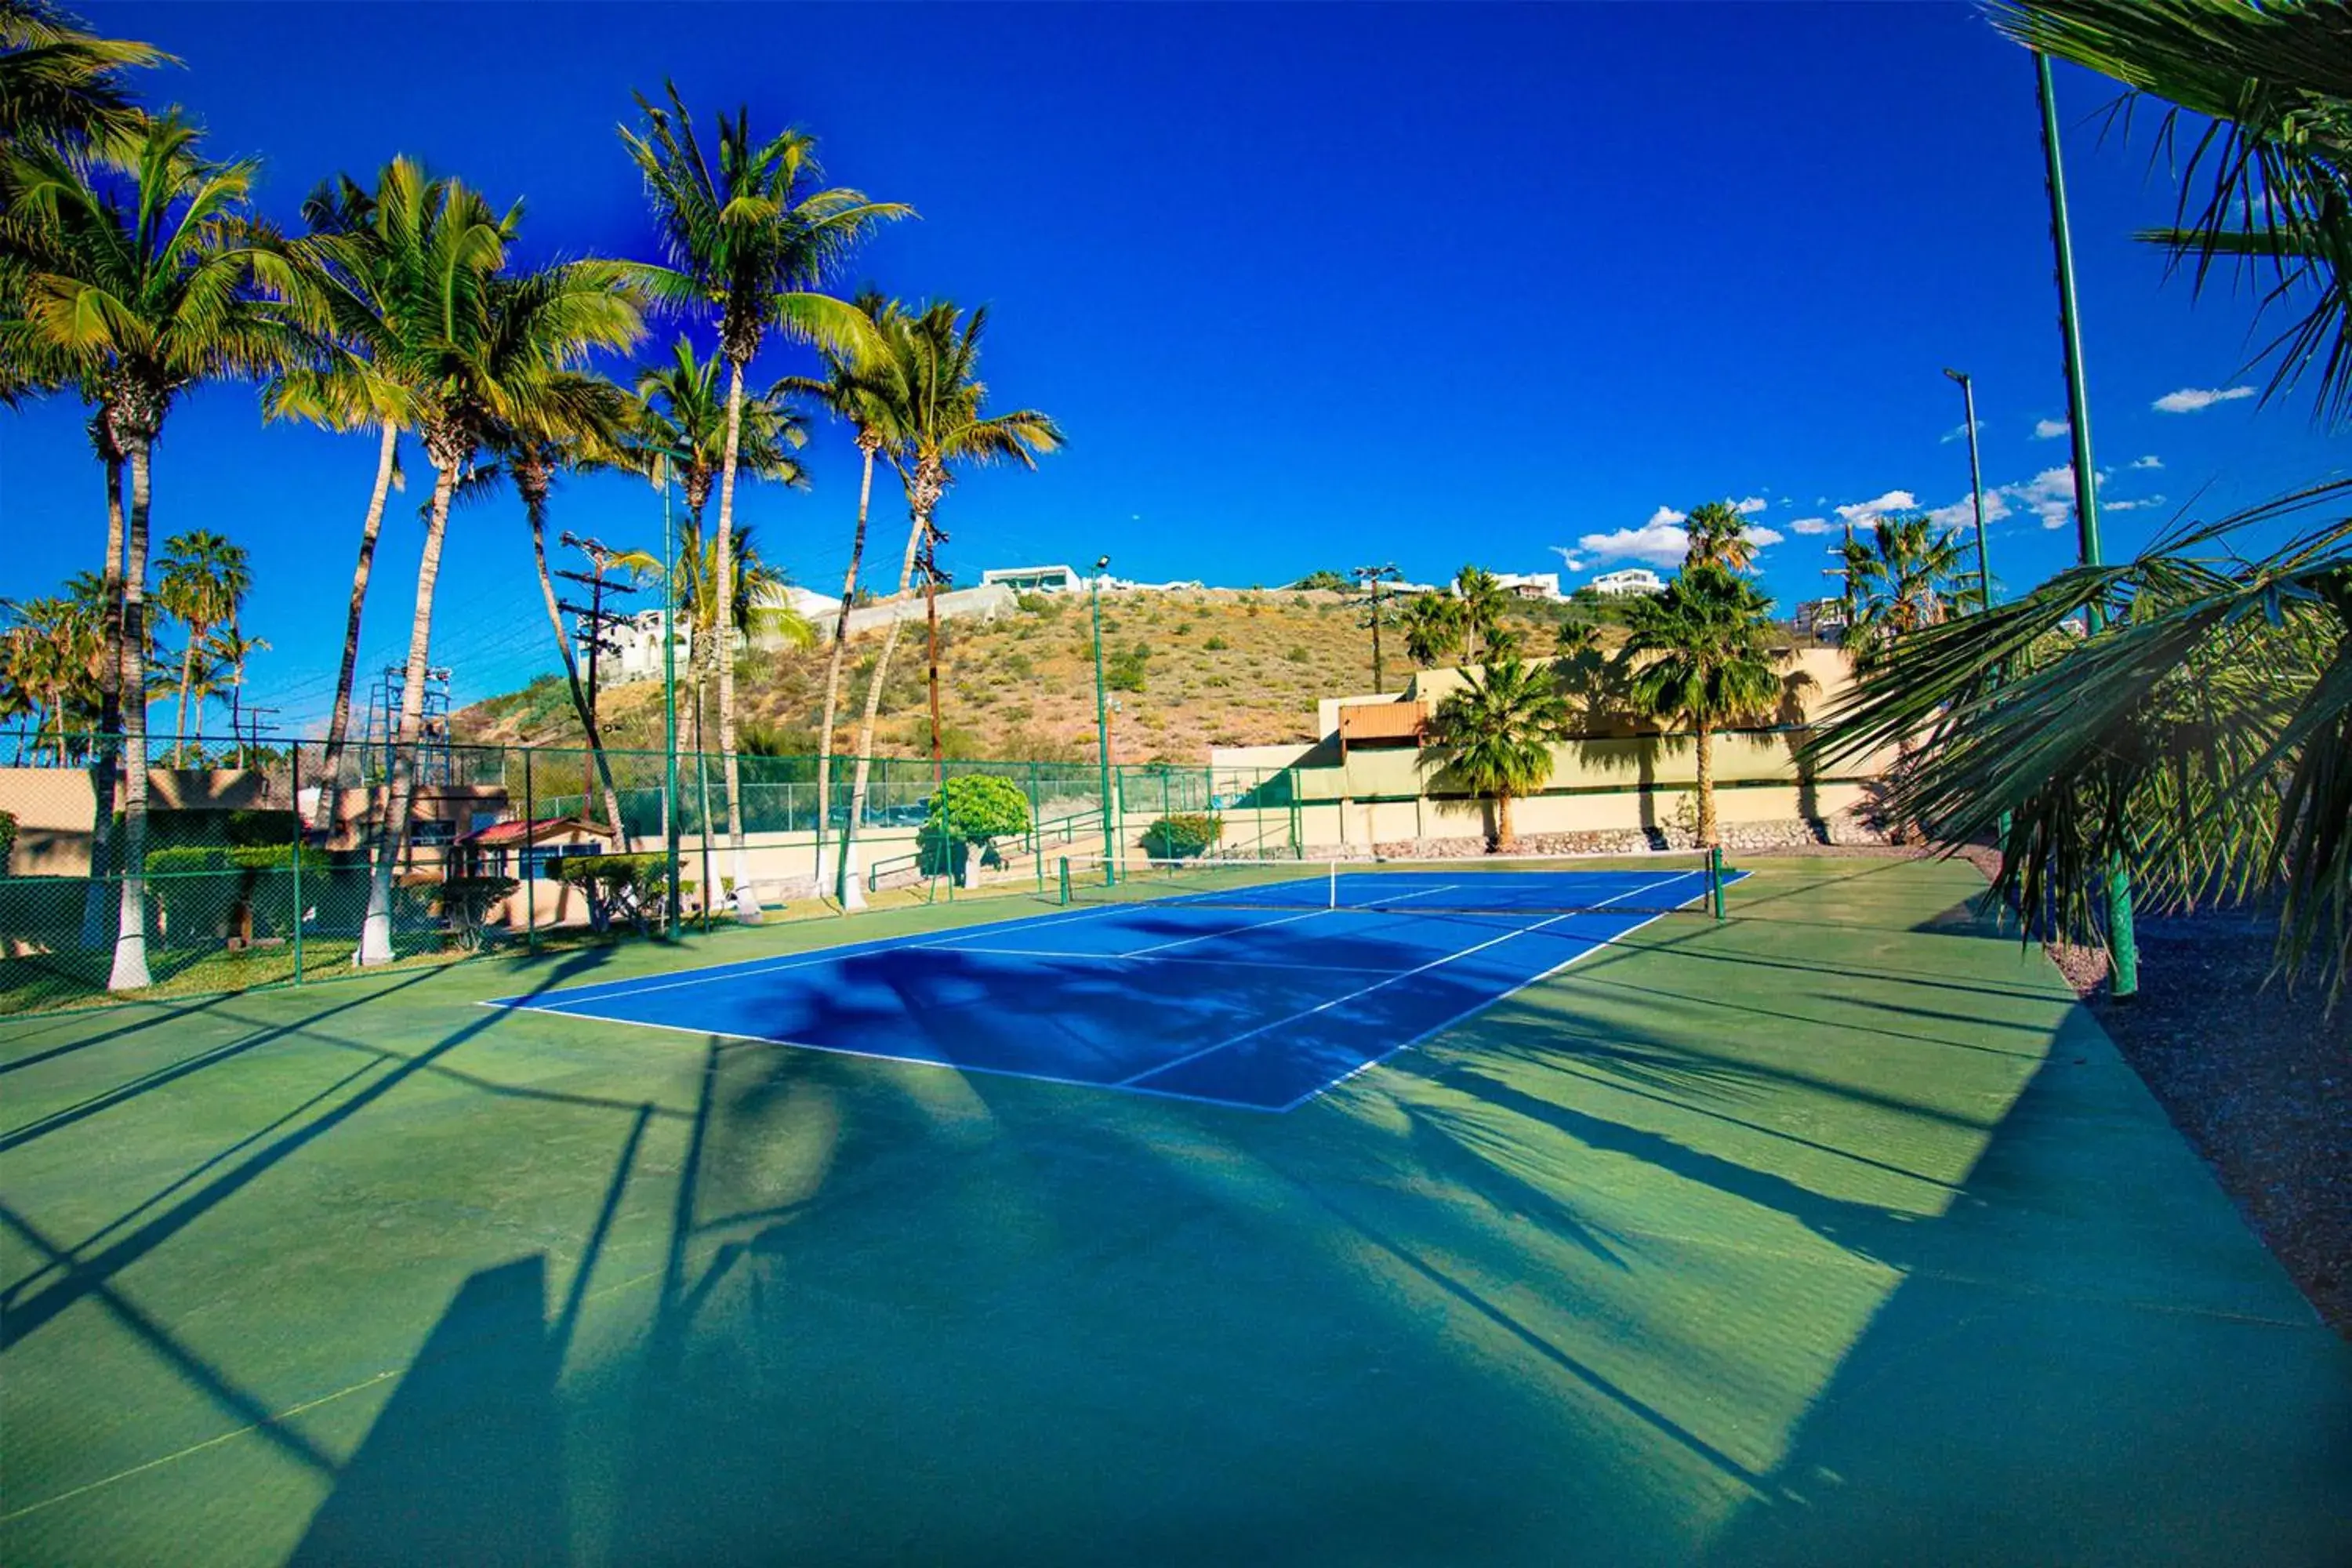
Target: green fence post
{"points": [[529, 882], [294, 788]]}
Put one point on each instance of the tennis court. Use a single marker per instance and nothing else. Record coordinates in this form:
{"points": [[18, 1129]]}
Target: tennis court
{"points": [[1248, 983]]}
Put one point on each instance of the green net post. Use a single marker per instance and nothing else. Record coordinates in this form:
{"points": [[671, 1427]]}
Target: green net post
{"points": [[1066, 878], [1714, 878]]}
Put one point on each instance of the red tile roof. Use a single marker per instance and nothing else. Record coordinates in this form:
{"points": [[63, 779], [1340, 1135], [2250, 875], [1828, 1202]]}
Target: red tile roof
{"points": [[500, 834]]}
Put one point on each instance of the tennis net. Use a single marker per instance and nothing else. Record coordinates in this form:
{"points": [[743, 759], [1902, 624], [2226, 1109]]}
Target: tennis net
{"points": [[1655, 883]]}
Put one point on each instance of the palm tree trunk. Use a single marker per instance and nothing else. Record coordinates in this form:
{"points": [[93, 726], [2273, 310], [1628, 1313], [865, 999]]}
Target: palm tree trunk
{"points": [[1503, 838], [1706, 783], [834, 661], [723, 622], [105, 773], [338, 723], [853, 896], [130, 973], [536, 508], [180, 719], [375, 932]]}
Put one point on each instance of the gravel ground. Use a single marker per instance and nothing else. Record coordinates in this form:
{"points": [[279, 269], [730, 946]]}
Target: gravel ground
{"points": [[2258, 1077]]}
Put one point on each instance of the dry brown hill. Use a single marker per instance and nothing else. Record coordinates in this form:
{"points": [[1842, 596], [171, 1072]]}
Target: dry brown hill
{"points": [[1218, 668]]}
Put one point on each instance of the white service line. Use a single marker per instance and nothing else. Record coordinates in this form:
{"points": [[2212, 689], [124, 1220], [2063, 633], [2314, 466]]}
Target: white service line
{"points": [[1156, 958], [1350, 996]]}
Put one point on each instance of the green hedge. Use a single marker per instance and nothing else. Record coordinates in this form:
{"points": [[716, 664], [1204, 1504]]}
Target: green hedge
{"points": [[7, 837], [1182, 835], [626, 885]]}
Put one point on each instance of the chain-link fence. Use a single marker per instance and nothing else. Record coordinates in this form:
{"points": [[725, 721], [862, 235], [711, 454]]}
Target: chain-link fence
{"points": [[263, 864]]}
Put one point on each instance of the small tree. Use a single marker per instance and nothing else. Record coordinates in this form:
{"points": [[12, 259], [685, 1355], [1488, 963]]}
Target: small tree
{"points": [[1709, 663], [977, 809], [1496, 734]]}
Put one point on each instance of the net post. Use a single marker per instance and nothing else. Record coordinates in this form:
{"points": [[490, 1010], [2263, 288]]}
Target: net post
{"points": [[1065, 863], [1714, 878], [1333, 894]]}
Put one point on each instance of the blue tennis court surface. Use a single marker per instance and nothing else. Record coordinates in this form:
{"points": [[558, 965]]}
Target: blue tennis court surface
{"points": [[1261, 998]]}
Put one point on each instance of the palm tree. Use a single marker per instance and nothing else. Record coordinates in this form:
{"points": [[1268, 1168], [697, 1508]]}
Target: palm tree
{"points": [[557, 420], [1480, 600], [1700, 653], [233, 648], [1496, 734], [863, 394], [1433, 629], [480, 351], [2200, 733], [940, 428], [2266, 190], [756, 601], [204, 578], [1906, 575], [1718, 537], [751, 237], [353, 266], [61, 85], [141, 298]]}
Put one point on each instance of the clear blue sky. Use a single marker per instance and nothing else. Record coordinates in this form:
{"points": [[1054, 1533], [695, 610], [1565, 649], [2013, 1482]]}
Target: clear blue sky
{"points": [[1308, 287]]}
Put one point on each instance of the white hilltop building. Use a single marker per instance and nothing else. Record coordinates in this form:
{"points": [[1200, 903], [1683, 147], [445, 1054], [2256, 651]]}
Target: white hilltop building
{"points": [[1627, 582]]}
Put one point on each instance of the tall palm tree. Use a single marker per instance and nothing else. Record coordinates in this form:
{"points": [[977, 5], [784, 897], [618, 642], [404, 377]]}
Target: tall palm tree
{"points": [[863, 394], [752, 237], [479, 350], [1479, 598], [756, 603], [2266, 190], [1701, 654], [141, 289], [1496, 734], [352, 263], [560, 420], [1906, 574], [1718, 537], [941, 426], [1433, 629], [202, 580]]}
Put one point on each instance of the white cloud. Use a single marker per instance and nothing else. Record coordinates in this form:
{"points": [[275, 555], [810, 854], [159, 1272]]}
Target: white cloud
{"points": [[1963, 511], [1957, 431], [2048, 495], [2190, 399], [1751, 506], [2150, 461], [1569, 558], [2050, 429], [1661, 542], [1810, 526], [2144, 502], [1863, 512]]}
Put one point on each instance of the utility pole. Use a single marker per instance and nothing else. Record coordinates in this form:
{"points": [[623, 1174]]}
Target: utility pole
{"points": [[669, 701], [595, 623], [1371, 578], [2123, 946], [1976, 487]]}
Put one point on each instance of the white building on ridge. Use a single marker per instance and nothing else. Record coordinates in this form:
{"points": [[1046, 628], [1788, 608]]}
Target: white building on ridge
{"points": [[1628, 583]]}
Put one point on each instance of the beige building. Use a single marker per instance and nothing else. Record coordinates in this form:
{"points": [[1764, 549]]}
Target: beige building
{"points": [[1374, 779]]}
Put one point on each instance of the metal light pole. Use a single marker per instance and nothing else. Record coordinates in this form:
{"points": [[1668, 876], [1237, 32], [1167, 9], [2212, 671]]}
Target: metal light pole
{"points": [[670, 702], [1975, 487], [2122, 945], [1102, 730]]}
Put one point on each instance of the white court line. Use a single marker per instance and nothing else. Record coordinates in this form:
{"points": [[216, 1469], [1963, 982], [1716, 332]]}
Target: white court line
{"points": [[743, 968], [1407, 975], [1350, 996], [1155, 958], [941, 1062], [1286, 920]]}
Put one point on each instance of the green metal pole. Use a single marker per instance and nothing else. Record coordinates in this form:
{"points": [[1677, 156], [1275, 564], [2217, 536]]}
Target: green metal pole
{"points": [[1976, 487], [2122, 943], [669, 705], [294, 790], [530, 879], [1714, 876], [1102, 734]]}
